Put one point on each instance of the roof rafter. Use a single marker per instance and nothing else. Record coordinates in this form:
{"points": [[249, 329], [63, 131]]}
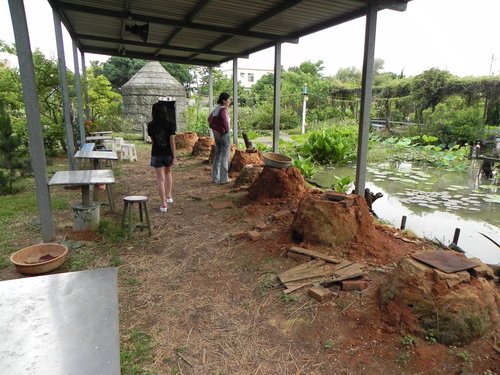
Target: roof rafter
{"points": [[159, 20]]}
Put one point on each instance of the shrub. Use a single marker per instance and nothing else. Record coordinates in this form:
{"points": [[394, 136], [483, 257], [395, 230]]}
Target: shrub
{"points": [[454, 123], [334, 145]]}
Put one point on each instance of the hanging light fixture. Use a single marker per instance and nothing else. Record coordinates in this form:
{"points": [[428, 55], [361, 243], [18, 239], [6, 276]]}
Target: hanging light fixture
{"points": [[141, 31]]}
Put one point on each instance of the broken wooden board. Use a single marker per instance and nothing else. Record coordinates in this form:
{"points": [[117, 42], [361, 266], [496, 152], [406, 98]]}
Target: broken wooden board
{"points": [[446, 261], [350, 272], [300, 269], [314, 272], [314, 254]]}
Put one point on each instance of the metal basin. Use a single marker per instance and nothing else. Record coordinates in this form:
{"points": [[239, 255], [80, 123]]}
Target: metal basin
{"points": [[274, 160]]}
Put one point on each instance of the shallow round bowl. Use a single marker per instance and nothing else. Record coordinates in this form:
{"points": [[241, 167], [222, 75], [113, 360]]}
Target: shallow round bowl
{"points": [[38, 259], [274, 160]]}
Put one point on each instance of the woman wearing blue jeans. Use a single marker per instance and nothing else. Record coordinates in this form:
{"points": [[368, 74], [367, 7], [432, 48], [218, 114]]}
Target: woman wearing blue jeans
{"points": [[220, 124]]}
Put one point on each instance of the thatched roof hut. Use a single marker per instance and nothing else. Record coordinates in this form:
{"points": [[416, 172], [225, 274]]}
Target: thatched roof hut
{"points": [[144, 89]]}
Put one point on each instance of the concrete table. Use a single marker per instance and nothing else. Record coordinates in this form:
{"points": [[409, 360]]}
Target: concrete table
{"points": [[60, 324], [96, 156], [103, 133], [99, 140], [83, 178]]}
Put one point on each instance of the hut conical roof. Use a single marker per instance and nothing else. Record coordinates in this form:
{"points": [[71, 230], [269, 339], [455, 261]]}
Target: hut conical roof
{"points": [[153, 75]]}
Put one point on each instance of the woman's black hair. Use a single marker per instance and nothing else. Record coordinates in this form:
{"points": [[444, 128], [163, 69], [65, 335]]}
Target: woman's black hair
{"points": [[159, 112], [223, 96]]}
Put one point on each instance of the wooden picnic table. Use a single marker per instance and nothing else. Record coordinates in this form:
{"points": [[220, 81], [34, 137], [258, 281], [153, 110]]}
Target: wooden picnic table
{"points": [[96, 156], [65, 323], [84, 179]]}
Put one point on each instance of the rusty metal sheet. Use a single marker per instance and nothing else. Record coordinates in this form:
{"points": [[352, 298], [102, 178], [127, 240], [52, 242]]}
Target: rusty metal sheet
{"points": [[445, 261]]}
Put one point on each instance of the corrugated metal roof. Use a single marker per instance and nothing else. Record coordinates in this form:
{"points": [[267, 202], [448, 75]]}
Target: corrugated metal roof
{"points": [[205, 32]]}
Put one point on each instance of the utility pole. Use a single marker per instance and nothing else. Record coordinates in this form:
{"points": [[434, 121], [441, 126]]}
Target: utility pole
{"points": [[491, 63], [304, 109]]}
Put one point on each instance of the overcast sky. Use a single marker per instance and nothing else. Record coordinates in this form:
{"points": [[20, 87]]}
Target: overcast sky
{"points": [[461, 36]]}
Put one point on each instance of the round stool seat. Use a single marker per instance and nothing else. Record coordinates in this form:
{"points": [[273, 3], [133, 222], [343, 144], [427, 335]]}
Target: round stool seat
{"points": [[142, 202], [135, 198]]}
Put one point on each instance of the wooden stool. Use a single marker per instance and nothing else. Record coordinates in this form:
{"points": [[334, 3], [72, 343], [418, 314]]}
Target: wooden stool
{"points": [[129, 152], [143, 212]]}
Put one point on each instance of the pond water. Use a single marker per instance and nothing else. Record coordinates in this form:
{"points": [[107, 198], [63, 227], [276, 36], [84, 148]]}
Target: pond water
{"points": [[435, 202]]}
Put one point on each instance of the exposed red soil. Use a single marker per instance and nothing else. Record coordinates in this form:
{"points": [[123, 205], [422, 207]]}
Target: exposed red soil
{"points": [[213, 298]]}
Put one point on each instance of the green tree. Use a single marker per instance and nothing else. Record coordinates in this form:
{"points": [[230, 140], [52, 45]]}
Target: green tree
{"points": [[50, 98], [118, 70], [349, 76], [105, 104], [11, 152], [452, 122], [7, 47], [429, 88]]}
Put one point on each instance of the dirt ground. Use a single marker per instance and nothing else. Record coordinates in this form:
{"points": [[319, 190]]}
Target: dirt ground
{"points": [[211, 303]]}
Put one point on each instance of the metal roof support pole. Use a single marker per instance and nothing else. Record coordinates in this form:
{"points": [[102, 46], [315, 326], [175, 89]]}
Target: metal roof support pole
{"points": [[210, 89], [366, 98], [32, 108], [210, 94], [277, 96], [78, 89], [235, 101], [63, 80], [85, 87]]}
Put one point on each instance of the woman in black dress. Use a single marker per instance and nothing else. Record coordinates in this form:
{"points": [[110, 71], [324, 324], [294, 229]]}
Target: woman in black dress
{"points": [[162, 133]]}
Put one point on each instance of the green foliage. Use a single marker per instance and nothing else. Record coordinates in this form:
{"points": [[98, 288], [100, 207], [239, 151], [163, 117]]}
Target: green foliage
{"points": [[428, 88], [111, 231], [137, 350], [119, 70], [7, 47], [11, 153], [430, 336], [288, 298], [104, 104], [452, 122], [80, 259], [409, 341], [342, 184], [197, 120], [329, 344], [261, 117], [464, 356], [305, 166], [334, 145]]}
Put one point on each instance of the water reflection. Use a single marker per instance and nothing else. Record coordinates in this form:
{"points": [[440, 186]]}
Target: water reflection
{"points": [[435, 203]]}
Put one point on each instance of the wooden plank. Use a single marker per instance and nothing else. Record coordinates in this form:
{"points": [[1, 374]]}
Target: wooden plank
{"points": [[323, 270], [349, 272], [340, 274], [289, 274], [314, 254]]}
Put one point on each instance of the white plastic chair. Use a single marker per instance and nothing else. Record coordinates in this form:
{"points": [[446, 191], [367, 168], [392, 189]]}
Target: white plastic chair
{"points": [[129, 152], [117, 146]]}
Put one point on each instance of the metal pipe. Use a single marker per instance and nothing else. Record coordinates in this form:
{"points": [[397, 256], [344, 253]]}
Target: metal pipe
{"points": [[403, 223], [32, 108], [456, 235]]}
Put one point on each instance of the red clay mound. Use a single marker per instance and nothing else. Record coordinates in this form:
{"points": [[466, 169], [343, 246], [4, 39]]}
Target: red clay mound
{"points": [[242, 158], [278, 183], [185, 141], [202, 146]]}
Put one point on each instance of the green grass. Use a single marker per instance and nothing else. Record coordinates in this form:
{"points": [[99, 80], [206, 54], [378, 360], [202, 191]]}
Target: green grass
{"points": [[80, 259], [16, 209], [136, 351]]}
